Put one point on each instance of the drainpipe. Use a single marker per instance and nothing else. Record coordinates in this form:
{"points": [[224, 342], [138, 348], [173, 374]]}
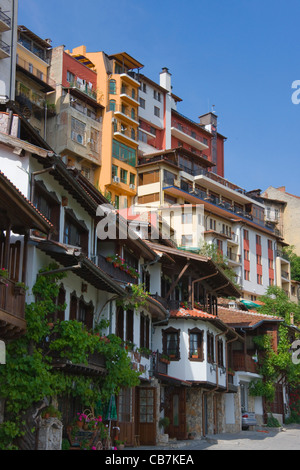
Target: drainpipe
{"points": [[209, 392], [228, 342]]}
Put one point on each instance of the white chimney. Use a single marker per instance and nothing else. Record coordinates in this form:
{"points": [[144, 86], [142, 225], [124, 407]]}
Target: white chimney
{"points": [[165, 79]]}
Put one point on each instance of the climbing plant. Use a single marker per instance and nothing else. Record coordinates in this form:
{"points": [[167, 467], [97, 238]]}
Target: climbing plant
{"points": [[273, 365], [29, 376]]}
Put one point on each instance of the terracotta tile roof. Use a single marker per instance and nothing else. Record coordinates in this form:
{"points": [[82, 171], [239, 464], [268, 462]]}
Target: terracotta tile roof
{"points": [[242, 318], [186, 313]]}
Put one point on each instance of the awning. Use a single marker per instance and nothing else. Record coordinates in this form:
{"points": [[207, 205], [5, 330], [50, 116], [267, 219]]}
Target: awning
{"points": [[172, 380]]}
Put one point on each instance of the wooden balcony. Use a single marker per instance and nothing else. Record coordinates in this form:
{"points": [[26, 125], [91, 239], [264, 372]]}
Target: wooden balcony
{"points": [[243, 362], [12, 310]]}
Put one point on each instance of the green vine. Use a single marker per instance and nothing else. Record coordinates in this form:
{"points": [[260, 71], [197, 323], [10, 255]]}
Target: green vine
{"points": [[29, 377]]}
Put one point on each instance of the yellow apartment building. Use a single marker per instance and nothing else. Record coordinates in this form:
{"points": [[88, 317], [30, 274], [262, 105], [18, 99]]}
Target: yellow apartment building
{"points": [[33, 84]]}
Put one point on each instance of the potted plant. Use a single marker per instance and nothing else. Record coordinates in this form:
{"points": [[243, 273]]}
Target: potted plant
{"points": [[3, 275], [164, 358], [51, 412], [119, 444], [20, 288], [164, 422]]}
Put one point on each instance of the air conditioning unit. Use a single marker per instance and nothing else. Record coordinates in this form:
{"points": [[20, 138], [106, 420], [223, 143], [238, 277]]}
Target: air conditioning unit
{"points": [[132, 186], [116, 179]]}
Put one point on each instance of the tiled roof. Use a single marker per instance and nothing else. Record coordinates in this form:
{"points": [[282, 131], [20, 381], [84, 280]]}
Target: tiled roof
{"points": [[186, 313]]}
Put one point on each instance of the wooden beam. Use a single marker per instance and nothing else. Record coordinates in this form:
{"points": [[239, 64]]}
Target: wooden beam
{"points": [[174, 284], [199, 280]]}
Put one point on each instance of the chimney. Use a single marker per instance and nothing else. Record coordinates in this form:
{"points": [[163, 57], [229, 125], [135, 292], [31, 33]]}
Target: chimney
{"points": [[282, 189], [165, 79]]}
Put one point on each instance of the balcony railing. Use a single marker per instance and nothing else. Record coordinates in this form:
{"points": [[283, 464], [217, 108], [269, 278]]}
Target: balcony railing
{"points": [[132, 114], [5, 19], [160, 365], [35, 72], [243, 362], [5, 48], [111, 270], [84, 88], [12, 299]]}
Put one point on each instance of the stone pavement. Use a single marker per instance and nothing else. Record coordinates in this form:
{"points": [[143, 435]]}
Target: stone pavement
{"points": [[263, 438]]}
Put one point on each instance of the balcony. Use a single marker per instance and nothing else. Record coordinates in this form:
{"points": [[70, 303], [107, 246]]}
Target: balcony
{"points": [[84, 89], [12, 309], [40, 77], [127, 114], [5, 22], [129, 95], [233, 258], [184, 134], [160, 364], [4, 50], [126, 134], [244, 362], [129, 79], [113, 270]]}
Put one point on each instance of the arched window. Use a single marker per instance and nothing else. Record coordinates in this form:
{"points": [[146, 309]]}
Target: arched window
{"points": [[112, 87], [112, 105]]}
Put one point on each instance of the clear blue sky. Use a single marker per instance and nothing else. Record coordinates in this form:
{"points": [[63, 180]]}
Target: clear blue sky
{"points": [[240, 55]]}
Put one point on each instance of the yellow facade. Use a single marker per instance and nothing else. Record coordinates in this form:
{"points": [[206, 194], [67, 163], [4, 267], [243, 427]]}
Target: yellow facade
{"points": [[118, 93]]}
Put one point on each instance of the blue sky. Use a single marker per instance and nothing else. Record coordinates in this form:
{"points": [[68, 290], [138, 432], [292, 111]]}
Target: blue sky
{"points": [[241, 56]]}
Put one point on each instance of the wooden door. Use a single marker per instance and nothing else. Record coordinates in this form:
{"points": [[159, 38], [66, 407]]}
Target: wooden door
{"points": [[146, 416], [176, 412], [125, 412]]}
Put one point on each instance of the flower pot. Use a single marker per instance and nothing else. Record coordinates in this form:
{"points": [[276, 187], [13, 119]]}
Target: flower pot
{"points": [[120, 446], [80, 424]]}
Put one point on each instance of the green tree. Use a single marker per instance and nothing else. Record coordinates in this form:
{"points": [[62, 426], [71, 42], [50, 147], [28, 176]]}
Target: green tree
{"points": [[277, 303], [294, 259], [29, 379]]}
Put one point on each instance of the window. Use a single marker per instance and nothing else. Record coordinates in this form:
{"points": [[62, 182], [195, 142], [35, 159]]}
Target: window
{"points": [[112, 87], [114, 170], [246, 275], [70, 77], [117, 202], [124, 153], [210, 348], [123, 176], [246, 255], [171, 343], [129, 325], [132, 179], [220, 353], [112, 105], [49, 205], [186, 240], [156, 95], [142, 103], [258, 260], [246, 235], [212, 224], [196, 344], [144, 87], [78, 131], [81, 311], [187, 218], [156, 111], [258, 240], [144, 331], [120, 322], [75, 231], [270, 244], [259, 279]]}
